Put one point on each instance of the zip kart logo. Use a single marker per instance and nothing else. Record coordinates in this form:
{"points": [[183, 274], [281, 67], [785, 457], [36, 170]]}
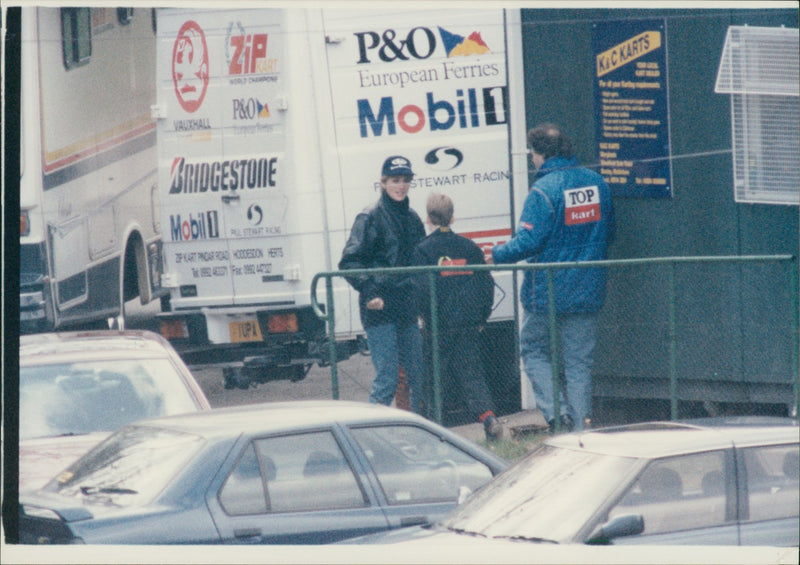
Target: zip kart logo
{"points": [[419, 43], [228, 174], [246, 54], [190, 66], [468, 108], [203, 225]]}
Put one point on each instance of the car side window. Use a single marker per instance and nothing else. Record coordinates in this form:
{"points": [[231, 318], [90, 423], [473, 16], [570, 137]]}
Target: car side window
{"points": [[773, 474], [294, 473], [679, 493], [243, 491], [414, 465]]}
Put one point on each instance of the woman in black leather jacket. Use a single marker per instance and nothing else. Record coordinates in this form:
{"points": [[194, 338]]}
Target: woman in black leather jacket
{"points": [[384, 235]]}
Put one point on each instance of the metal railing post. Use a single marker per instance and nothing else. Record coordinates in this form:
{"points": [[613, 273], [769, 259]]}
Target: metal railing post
{"points": [[555, 354], [793, 292], [673, 372], [434, 329], [331, 319]]}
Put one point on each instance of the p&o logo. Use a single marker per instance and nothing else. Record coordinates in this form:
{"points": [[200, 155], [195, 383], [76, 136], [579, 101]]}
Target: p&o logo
{"points": [[249, 109], [419, 43]]}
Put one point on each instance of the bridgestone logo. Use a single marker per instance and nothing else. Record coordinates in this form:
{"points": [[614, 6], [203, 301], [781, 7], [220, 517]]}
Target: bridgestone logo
{"points": [[234, 174]]}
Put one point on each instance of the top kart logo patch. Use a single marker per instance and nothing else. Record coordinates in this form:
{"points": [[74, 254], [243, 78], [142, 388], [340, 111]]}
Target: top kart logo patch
{"points": [[582, 205]]}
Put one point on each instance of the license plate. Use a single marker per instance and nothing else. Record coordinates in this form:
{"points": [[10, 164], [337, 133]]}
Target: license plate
{"points": [[245, 331]]}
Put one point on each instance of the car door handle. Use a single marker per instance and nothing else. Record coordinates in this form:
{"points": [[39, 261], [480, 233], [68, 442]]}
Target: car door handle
{"points": [[245, 533], [227, 198], [413, 521]]}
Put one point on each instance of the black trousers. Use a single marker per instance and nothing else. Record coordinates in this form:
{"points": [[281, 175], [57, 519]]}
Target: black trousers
{"points": [[461, 371]]}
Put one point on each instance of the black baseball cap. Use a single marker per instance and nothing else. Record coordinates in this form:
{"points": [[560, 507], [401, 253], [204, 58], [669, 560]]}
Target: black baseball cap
{"points": [[397, 166]]}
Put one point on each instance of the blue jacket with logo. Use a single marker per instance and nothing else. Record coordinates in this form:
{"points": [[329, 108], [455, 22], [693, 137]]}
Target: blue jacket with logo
{"points": [[568, 216]]}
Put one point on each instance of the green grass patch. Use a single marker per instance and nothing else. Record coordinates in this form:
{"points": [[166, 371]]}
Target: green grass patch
{"points": [[515, 448]]}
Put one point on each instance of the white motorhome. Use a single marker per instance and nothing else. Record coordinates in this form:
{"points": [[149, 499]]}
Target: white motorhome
{"points": [[273, 125], [89, 217]]}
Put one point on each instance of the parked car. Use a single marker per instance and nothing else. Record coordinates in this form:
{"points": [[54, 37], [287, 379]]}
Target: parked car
{"points": [[75, 388], [304, 472], [713, 482]]}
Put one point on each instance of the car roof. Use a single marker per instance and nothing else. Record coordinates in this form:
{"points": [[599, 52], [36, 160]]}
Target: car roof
{"points": [[280, 416], [92, 344], [661, 439]]}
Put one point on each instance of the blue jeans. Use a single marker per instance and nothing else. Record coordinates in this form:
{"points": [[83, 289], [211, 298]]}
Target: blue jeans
{"points": [[392, 346], [577, 339]]}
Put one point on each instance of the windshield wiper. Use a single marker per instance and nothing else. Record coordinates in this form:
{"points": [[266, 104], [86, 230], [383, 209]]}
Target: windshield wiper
{"points": [[87, 490], [467, 532], [64, 434], [527, 538]]}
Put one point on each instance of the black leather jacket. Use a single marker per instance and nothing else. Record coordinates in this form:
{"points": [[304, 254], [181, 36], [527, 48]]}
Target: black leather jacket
{"points": [[384, 235], [464, 297]]}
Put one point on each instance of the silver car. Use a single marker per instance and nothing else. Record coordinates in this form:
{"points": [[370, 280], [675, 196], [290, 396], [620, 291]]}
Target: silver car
{"points": [[304, 472], [75, 388], [714, 482]]}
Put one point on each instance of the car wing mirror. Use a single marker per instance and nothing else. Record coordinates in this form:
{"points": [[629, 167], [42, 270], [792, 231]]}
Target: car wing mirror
{"points": [[463, 493], [625, 525]]}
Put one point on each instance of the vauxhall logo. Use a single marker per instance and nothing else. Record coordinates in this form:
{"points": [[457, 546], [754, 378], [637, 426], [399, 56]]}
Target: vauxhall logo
{"points": [[419, 43]]}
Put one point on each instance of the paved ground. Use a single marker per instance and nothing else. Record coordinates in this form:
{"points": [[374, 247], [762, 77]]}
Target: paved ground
{"points": [[355, 378], [354, 375]]}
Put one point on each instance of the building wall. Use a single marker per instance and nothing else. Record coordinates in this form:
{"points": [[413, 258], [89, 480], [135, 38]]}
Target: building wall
{"points": [[734, 322]]}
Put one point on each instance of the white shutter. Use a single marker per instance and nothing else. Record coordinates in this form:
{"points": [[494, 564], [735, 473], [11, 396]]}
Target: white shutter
{"points": [[759, 69]]}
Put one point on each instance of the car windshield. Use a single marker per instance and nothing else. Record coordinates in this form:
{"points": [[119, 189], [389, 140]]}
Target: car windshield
{"points": [[129, 468], [548, 496], [94, 396]]}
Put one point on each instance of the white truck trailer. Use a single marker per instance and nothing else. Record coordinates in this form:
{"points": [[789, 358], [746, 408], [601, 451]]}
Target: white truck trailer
{"points": [[89, 204], [272, 128]]}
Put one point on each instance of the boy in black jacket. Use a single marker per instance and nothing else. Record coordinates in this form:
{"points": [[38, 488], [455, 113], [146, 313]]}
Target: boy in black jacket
{"points": [[464, 303]]}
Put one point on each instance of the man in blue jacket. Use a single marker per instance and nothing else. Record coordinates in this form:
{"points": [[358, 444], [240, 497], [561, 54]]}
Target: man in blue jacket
{"points": [[568, 216]]}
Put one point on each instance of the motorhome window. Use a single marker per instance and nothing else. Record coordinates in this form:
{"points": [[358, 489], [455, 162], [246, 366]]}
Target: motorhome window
{"points": [[124, 15], [76, 36]]}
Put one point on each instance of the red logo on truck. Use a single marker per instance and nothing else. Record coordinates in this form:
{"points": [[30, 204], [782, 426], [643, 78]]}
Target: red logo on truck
{"points": [[190, 66]]}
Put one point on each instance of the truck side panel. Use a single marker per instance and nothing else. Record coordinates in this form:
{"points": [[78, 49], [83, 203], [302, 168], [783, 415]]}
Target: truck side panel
{"points": [[91, 195], [432, 86]]}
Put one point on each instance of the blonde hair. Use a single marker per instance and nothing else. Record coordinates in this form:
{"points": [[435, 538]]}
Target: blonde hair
{"points": [[440, 209]]}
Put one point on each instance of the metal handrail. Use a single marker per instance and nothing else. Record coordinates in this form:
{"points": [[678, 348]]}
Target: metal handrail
{"points": [[328, 314]]}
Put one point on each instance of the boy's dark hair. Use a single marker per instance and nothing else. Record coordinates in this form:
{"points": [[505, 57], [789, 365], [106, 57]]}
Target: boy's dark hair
{"points": [[440, 209], [549, 141]]}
